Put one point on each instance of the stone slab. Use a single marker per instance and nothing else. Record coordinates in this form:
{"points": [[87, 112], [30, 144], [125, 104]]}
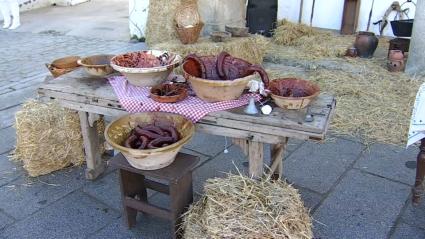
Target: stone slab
{"points": [[206, 144], [24, 196], [415, 215], [7, 116], [311, 199], [106, 189], [405, 231], [7, 139], [16, 97], [318, 166], [9, 170], [74, 216], [361, 206], [5, 221], [389, 161]]}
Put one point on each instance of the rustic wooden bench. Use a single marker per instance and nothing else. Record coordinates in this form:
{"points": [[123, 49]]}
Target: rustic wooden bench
{"points": [[93, 97]]}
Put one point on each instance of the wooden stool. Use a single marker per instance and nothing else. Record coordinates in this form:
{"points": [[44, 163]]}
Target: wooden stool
{"points": [[179, 187]]}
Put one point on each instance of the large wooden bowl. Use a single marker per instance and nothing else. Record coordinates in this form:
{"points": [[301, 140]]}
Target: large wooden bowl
{"points": [[97, 65], [294, 103], [147, 76], [215, 90], [148, 159]]}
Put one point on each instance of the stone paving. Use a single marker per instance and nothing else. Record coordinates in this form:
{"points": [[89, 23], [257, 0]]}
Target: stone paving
{"points": [[353, 191]]}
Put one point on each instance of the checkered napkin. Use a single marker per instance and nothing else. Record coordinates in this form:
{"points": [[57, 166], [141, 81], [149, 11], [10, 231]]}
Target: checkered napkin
{"points": [[136, 99]]}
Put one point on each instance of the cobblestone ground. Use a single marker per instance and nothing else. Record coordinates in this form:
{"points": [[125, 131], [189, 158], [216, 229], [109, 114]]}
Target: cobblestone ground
{"points": [[352, 191]]}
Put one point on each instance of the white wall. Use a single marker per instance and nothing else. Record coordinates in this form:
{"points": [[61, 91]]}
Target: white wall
{"points": [[328, 14], [138, 16]]}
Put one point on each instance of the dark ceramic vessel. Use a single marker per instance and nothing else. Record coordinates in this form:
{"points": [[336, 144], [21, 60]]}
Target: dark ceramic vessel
{"points": [[366, 44]]}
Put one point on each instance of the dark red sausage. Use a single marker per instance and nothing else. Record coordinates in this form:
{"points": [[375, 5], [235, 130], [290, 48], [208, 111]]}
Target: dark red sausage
{"points": [[171, 131], [129, 143], [154, 129], [144, 142], [146, 133], [156, 143]]}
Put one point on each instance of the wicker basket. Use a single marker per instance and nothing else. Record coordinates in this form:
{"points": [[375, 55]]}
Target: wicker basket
{"points": [[189, 35], [187, 16]]}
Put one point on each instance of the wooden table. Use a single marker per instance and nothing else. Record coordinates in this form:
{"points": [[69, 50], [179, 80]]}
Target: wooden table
{"points": [[94, 97]]}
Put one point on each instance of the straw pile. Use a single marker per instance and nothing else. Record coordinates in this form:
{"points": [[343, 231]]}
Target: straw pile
{"points": [[251, 49], [372, 104], [308, 42], [160, 26], [240, 207], [48, 138]]}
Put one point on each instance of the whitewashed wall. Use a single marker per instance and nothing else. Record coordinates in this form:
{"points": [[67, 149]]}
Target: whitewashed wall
{"points": [[328, 14], [138, 16]]}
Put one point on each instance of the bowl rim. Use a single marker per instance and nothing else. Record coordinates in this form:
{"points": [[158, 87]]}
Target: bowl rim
{"points": [[176, 62], [175, 145], [296, 98], [81, 60]]}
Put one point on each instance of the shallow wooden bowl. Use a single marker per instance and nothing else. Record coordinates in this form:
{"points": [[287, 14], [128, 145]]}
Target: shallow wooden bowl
{"points": [[148, 159], [97, 65], [294, 103]]}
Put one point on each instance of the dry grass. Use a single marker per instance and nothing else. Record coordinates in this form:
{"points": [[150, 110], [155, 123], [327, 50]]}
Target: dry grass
{"points": [[240, 207], [48, 138], [372, 103], [251, 48]]}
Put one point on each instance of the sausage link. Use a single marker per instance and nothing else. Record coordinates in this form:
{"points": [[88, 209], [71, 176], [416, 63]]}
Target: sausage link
{"points": [[156, 143], [129, 142]]}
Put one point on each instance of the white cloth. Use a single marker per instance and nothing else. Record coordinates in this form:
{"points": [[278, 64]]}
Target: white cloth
{"points": [[10, 8], [417, 122]]}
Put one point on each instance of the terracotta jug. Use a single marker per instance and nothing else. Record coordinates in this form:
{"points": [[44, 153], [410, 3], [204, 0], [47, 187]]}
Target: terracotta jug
{"points": [[396, 65], [351, 52], [396, 55], [366, 44]]}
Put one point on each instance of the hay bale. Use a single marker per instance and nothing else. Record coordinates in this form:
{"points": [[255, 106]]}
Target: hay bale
{"points": [[241, 207], [160, 26], [48, 138], [251, 49]]}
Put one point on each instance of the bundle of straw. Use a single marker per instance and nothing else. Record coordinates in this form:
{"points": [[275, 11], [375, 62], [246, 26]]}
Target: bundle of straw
{"points": [[251, 49], [241, 207]]}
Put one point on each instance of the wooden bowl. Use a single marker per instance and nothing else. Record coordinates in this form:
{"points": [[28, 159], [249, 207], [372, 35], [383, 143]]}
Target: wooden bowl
{"points": [[220, 36], [148, 159], [66, 62], [180, 93], [97, 65], [309, 89], [237, 31]]}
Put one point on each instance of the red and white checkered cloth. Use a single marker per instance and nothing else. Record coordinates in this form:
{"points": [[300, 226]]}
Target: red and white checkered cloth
{"points": [[136, 99]]}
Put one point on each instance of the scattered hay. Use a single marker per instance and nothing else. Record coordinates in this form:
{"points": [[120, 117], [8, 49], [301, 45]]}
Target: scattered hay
{"points": [[372, 103], [240, 207], [48, 138], [251, 48], [160, 25]]}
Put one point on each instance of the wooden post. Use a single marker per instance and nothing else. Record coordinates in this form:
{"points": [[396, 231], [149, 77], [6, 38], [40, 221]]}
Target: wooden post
{"points": [[95, 165], [277, 151], [256, 159], [416, 60]]}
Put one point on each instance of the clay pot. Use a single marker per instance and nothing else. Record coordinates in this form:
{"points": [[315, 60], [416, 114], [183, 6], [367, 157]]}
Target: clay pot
{"points": [[366, 44], [168, 93], [396, 55], [351, 52], [395, 66]]}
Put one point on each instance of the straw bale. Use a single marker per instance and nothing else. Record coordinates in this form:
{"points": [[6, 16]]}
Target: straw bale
{"points": [[251, 49], [48, 138], [287, 33], [160, 26], [241, 207]]}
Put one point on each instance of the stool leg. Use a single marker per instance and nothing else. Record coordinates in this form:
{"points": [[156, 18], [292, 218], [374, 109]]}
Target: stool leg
{"points": [[132, 185], [418, 189], [181, 195]]}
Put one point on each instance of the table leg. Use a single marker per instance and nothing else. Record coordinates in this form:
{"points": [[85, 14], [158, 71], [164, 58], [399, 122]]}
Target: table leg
{"points": [[256, 159], [276, 167], [418, 189], [95, 165]]}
